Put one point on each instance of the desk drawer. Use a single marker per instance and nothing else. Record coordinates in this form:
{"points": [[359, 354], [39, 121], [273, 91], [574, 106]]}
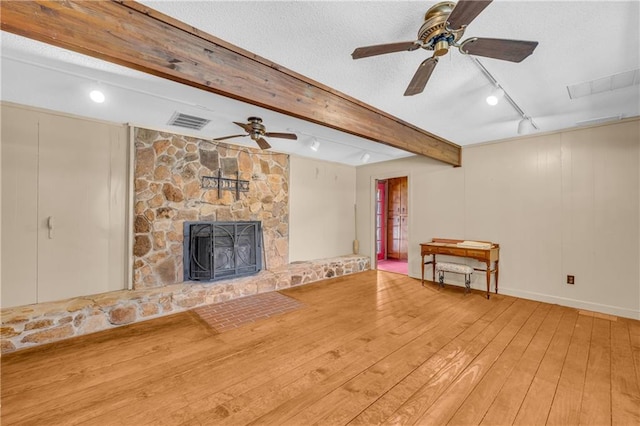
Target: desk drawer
{"points": [[430, 250], [477, 253], [453, 251]]}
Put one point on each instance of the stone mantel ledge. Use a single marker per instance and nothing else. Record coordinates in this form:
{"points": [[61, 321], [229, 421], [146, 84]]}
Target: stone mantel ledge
{"points": [[33, 325]]}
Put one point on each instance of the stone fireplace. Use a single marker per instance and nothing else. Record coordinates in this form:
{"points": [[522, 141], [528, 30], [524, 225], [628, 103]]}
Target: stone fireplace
{"points": [[171, 174], [170, 189]]}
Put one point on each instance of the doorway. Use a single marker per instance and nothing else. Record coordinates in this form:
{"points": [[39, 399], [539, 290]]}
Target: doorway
{"points": [[391, 219]]}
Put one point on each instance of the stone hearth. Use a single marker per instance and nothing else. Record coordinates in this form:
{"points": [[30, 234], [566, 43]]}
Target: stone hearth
{"points": [[33, 325]]}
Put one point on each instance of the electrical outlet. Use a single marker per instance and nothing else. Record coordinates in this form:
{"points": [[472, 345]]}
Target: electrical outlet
{"points": [[571, 279]]}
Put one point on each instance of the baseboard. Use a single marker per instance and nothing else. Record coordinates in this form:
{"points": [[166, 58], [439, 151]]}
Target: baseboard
{"points": [[563, 301], [573, 303]]}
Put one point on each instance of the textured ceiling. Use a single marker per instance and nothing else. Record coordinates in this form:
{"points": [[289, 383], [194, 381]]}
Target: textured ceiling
{"points": [[579, 41]]}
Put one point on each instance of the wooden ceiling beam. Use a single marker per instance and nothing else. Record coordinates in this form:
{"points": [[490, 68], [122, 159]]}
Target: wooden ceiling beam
{"points": [[135, 36]]}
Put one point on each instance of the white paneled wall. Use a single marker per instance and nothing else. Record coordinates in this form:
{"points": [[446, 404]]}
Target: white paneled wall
{"points": [[513, 192], [19, 147], [322, 216], [63, 206], [558, 204]]}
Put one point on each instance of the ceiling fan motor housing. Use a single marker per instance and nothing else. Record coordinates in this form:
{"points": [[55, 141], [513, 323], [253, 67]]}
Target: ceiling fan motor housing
{"points": [[257, 128], [433, 33]]}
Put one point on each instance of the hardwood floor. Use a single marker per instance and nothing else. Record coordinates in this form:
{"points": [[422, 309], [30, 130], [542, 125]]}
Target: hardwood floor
{"points": [[371, 348]]}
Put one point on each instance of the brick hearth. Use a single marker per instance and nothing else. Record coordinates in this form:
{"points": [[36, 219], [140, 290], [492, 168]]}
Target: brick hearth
{"points": [[234, 313]]}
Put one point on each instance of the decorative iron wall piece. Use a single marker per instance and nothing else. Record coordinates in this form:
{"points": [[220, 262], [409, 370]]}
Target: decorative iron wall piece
{"points": [[225, 184]]}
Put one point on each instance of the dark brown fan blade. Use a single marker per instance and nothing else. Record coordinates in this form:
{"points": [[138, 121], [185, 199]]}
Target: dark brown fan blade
{"points": [[229, 137], [262, 143], [380, 49], [508, 50], [281, 135], [247, 127], [466, 11], [420, 78]]}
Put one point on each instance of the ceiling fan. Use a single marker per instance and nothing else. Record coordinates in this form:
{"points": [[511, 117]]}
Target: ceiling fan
{"points": [[256, 130], [444, 24]]}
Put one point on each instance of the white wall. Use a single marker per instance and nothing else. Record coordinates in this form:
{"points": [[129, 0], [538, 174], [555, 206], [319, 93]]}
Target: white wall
{"points": [[321, 205], [558, 204]]}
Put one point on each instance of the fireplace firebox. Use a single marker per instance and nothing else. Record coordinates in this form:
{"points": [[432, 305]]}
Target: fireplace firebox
{"points": [[221, 250]]}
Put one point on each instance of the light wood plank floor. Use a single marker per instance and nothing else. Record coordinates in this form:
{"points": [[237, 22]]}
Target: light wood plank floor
{"points": [[371, 348]]}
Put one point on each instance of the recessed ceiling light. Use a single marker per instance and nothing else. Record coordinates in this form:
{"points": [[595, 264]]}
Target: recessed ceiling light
{"points": [[97, 96]]}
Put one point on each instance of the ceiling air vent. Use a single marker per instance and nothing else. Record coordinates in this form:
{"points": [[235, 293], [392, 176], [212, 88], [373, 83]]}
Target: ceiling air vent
{"points": [[188, 121], [605, 84]]}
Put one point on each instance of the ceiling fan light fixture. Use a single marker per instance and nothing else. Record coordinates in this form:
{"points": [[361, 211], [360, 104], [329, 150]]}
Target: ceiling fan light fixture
{"points": [[441, 48], [315, 144]]}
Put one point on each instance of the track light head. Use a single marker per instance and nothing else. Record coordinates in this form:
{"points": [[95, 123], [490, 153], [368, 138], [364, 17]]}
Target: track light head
{"points": [[97, 96], [495, 96], [525, 126]]}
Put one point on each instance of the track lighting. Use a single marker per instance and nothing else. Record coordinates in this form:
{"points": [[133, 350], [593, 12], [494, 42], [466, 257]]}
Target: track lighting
{"points": [[526, 125], [315, 144]]}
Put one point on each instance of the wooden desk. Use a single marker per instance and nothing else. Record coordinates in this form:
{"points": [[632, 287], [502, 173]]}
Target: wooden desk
{"points": [[451, 248]]}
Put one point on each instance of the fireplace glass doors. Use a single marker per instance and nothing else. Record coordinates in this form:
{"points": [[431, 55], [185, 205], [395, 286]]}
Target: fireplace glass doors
{"points": [[220, 250]]}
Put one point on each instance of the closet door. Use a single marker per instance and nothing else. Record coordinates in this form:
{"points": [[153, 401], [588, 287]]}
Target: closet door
{"points": [[19, 144], [78, 252]]}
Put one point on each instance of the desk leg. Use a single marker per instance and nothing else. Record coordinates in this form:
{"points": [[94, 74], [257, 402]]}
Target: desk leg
{"points": [[496, 266], [423, 270], [433, 268], [488, 278]]}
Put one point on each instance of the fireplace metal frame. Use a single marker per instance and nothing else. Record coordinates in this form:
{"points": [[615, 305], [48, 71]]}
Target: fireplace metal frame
{"points": [[222, 243]]}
